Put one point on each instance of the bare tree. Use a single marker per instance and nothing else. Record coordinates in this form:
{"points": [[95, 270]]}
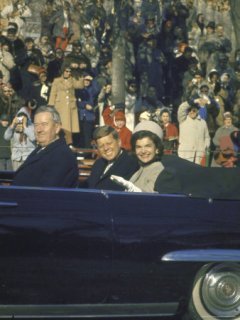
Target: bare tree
{"points": [[235, 14], [122, 10]]}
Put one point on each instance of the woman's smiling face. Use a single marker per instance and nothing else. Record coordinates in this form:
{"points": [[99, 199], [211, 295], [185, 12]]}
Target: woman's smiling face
{"points": [[145, 149]]}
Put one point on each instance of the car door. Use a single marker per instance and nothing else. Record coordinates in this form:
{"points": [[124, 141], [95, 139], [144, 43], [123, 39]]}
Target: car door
{"points": [[55, 246]]}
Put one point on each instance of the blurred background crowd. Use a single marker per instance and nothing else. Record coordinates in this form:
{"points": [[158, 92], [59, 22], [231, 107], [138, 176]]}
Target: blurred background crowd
{"points": [[179, 65]]}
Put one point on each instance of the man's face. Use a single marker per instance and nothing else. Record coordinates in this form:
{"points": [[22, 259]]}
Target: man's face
{"points": [[108, 147], [46, 130]]}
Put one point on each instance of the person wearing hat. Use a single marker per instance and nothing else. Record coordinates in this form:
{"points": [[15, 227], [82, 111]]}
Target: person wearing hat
{"points": [[21, 134], [194, 139], [62, 25], [223, 142], [16, 11], [147, 146], [5, 150], [117, 119]]}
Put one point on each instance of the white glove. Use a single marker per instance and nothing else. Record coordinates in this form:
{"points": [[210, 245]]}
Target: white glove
{"points": [[129, 186]]}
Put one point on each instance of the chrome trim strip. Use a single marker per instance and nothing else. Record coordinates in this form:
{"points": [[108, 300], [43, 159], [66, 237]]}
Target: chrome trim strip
{"points": [[90, 311], [203, 255]]}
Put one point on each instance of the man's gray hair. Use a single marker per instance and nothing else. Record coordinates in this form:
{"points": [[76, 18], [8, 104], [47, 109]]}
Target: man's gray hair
{"points": [[55, 114]]}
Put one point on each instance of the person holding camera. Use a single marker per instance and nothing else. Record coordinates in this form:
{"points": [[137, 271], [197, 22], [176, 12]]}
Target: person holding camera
{"points": [[21, 134]]}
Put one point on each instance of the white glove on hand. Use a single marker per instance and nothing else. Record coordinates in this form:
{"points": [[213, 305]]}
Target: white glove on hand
{"points": [[129, 186]]}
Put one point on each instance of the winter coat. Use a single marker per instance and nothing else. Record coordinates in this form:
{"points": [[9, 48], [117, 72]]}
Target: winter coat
{"points": [[57, 20], [6, 64], [54, 166], [194, 139], [124, 133], [124, 165], [222, 132], [62, 97], [21, 148], [146, 176]]}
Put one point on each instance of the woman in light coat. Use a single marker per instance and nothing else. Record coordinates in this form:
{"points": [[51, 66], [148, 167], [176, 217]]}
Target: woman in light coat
{"points": [[147, 145], [62, 97]]}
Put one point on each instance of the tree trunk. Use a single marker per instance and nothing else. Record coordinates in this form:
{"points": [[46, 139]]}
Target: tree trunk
{"points": [[118, 54], [235, 14], [118, 71]]}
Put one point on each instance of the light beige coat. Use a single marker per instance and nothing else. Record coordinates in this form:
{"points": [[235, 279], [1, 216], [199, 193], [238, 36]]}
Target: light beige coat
{"points": [[62, 97]]}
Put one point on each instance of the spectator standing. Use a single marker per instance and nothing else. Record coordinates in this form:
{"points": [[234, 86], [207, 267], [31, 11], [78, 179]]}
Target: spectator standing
{"points": [[208, 107], [54, 67], [16, 44], [224, 154], [44, 44], [62, 25], [10, 102], [104, 100], [6, 60], [5, 147], [62, 97], [45, 16], [76, 55], [32, 62], [194, 139], [41, 89], [90, 46], [170, 132], [21, 134], [86, 103], [16, 11]]}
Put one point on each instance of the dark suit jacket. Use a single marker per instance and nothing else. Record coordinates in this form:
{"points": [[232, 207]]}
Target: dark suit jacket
{"points": [[54, 166], [125, 165]]}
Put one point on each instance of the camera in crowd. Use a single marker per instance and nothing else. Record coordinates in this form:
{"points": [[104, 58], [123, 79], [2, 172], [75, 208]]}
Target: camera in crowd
{"points": [[20, 120]]}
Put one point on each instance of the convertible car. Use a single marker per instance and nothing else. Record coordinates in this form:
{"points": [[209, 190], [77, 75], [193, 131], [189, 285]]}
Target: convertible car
{"points": [[94, 254], [78, 253]]}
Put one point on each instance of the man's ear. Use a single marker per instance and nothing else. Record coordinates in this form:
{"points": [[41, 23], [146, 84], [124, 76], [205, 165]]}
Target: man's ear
{"points": [[58, 128]]}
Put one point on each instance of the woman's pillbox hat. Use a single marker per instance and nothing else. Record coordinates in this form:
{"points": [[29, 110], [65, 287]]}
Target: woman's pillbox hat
{"points": [[148, 125]]}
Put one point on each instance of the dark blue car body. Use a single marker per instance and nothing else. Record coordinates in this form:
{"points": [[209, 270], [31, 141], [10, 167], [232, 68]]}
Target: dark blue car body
{"points": [[96, 254]]}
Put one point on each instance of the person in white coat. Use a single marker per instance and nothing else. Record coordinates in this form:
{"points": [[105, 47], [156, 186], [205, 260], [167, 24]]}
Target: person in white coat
{"points": [[194, 139], [16, 11]]}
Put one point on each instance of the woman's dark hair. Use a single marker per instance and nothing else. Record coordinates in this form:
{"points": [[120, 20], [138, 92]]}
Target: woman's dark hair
{"points": [[148, 134]]}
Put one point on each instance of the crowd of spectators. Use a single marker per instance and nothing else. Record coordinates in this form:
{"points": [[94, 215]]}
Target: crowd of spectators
{"points": [[180, 71]]}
